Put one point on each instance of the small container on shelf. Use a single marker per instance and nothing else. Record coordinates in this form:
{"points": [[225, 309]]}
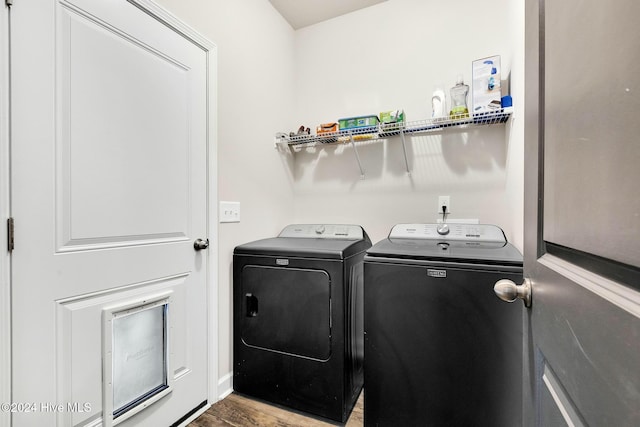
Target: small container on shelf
{"points": [[326, 132], [327, 128], [486, 84], [391, 121], [360, 122]]}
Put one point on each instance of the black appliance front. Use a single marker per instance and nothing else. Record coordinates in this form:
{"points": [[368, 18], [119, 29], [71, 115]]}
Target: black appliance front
{"points": [[440, 348], [298, 324], [287, 310]]}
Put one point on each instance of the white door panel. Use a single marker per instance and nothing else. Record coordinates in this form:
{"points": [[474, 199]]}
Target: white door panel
{"points": [[113, 188], [109, 184], [77, 343]]}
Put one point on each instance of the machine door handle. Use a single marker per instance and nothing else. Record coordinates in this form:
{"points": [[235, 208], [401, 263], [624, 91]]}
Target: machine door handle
{"points": [[252, 305], [508, 291], [200, 244]]}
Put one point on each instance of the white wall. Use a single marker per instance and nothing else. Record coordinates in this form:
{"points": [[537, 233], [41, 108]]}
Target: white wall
{"points": [[515, 160], [274, 79], [255, 98], [391, 56]]}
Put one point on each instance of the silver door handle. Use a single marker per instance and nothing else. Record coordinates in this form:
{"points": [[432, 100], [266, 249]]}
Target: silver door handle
{"points": [[508, 291], [200, 244]]}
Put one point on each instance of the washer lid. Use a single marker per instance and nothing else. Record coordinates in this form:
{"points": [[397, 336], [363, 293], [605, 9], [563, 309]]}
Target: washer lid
{"points": [[470, 243]]}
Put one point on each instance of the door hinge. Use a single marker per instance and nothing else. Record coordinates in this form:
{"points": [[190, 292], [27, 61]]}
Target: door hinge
{"points": [[10, 234]]}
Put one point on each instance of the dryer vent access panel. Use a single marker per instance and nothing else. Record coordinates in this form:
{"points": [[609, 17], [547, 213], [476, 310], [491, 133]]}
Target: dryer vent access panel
{"points": [[287, 310]]}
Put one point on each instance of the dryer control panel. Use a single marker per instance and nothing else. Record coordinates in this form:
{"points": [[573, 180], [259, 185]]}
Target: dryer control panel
{"points": [[323, 231], [456, 232]]}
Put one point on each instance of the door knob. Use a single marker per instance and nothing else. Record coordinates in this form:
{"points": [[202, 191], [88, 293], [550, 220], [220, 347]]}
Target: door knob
{"points": [[508, 291], [200, 244]]}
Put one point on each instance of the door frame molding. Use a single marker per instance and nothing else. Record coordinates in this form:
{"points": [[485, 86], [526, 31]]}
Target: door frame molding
{"points": [[211, 52], [532, 180], [533, 126], [626, 298], [5, 212]]}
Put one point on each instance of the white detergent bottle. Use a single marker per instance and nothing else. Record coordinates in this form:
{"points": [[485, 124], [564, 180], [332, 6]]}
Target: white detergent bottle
{"points": [[438, 103]]}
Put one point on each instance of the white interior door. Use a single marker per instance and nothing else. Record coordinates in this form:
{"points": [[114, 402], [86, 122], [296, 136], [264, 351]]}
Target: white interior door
{"points": [[582, 224], [109, 192]]}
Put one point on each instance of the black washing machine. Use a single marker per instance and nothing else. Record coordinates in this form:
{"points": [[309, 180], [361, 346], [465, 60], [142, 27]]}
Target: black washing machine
{"points": [[298, 318], [440, 348]]}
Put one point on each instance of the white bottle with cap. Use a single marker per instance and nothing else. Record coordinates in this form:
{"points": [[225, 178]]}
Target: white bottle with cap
{"points": [[438, 103]]}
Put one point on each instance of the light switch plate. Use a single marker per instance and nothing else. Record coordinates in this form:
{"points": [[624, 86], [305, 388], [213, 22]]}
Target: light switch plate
{"points": [[229, 211]]}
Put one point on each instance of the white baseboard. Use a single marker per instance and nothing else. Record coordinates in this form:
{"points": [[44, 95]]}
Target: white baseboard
{"points": [[225, 386]]}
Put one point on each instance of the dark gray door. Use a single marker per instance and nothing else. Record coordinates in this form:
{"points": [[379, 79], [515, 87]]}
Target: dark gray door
{"points": [[582, 213]]}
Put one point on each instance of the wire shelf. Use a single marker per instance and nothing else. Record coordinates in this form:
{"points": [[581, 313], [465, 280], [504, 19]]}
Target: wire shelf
{"points": [[385, 130]]}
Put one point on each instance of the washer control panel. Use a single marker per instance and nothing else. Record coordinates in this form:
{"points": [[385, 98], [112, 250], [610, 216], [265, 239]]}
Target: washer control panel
{"points": [[323, 231], [456, 232]]}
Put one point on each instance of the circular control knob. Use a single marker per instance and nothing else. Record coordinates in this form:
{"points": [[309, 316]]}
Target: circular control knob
{"points": [[320, 229], [443, 229]]}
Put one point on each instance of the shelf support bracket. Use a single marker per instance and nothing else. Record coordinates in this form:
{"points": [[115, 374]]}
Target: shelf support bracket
{"points": [[355, 150], [404, 151]]}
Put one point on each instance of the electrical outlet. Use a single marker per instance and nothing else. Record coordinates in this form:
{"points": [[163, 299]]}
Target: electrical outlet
{"points": [[444, 201], [229, 212]]}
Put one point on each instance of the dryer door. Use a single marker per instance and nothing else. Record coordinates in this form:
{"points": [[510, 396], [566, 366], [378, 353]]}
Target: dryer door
{"points": [[287, 310]]}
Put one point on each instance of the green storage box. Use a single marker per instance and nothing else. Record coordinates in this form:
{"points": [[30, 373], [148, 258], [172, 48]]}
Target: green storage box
{"points": [[358, 122], [391, 121], [394, 116]]}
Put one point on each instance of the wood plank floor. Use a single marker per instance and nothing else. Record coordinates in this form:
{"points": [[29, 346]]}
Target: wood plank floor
{"points": [[241, 411]]}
